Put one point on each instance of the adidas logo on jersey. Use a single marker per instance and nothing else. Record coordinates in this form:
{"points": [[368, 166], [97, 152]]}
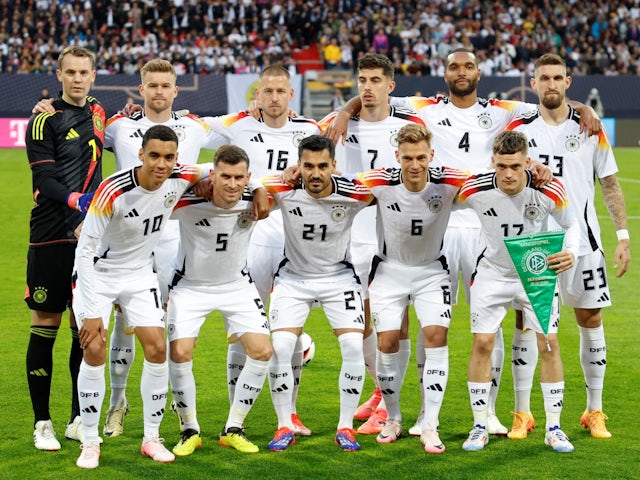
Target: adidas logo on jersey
{"points": [[71, 134], [394, 206], [132, 214], [532, 143], [258, 138], [446, 122], [446, 314], [296, 211], [137, 134], [352, 139], [604, 297], [203, 223], [490, 213]]}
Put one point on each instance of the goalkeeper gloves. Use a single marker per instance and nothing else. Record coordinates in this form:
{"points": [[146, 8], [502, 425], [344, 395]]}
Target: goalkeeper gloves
{"points": [[80, 201]]}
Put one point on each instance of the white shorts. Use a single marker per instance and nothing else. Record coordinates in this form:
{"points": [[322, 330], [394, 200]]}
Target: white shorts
{"points": [[238, 302], [266, 251], [492, 294], [395, 286], [137, 293], [361, 257], [586, 285], [292, 297], [164, 254], [462, 247]]}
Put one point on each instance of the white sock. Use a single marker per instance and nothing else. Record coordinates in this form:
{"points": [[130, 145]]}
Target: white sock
{"points": [[524, 358], [420, 360], [436, 376], [553, 395], [235, 362], [296, 366], [154, 387], [479, 398], [497, 363], [91, 387], [351, 381], [370, 347], [183, 387], [122, 353], [390, 380], [593, 358], [281, 375], [250, 384]]}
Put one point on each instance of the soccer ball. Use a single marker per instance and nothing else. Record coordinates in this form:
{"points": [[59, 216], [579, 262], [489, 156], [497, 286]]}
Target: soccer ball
{"points": [[308, 348]]}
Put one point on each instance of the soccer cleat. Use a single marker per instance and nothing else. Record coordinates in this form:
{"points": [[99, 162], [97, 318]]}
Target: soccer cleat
{"points": [[44, 437], [155, 450], [478, 438], [364, 411], [416, 430], [298, 427], [346, 440], [282, 439], [494, 426], [115, 418], [431, 442], [523, 423], [90, 456], [375, 423], [594, 420], [557, 440], [234, 437], [75, 432], [391, 431], [189, 443]]}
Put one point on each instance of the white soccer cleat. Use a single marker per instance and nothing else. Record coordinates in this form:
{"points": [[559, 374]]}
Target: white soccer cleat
{"points": [[431, 442], [391, 432], [494, 426], [90, 456], [416, 430], [44, 437], [557, 440], [155, 450], [478, 438]]}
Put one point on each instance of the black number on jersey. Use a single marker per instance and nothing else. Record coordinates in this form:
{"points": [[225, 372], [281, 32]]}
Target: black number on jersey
{"points": [[374, 157], [556, 166], [416, 227], [281, 160], [464, 142], [589, 276], [350, 299], [309, 232], [512, 230], [154, 292], [446, 294], [221, 242], [154, 223], [260, 306]]}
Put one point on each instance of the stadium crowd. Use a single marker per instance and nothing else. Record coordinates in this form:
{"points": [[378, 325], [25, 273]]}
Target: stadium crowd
{"points": [[243, 36]]}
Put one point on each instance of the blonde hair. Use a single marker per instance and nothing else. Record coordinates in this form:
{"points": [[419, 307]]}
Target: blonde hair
{"points": [[157, 65], [414, 133]]}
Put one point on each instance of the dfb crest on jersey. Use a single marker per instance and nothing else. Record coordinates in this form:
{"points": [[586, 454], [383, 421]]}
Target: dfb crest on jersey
{"points": [[180, 133], [273, 316], [474, 319], [435, 204], [375, 319], [536, 262], [531, 211], [484, 121], [393, 139], [171, 328], [338, 213], [170, 199], [244, 219], [572, 143], [297, 138], [39, 295]]}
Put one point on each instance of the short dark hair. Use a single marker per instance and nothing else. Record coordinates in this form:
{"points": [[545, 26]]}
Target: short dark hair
{"points": [[231, 155], [317, 143], [76, 51], [461, 50], [549, 59], [275, 71], [159, 132], [510, 142], [369, 61]]}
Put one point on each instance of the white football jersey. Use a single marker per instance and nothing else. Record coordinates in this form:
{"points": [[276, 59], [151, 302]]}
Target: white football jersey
{"points": [[527, 212], [411, 225], [124, 135], [575, 158], [317, 231], [463, 137], [213, 240]]}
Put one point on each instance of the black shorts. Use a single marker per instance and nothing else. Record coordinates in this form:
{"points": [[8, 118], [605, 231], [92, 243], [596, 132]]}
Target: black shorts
{"points": [[49, 270]]}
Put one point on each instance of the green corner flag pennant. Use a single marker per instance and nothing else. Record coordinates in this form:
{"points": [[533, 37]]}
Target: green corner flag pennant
{"points": [[529, 255]]}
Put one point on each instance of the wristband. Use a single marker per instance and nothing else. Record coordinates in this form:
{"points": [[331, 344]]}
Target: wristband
{"points": [[622, 234]]}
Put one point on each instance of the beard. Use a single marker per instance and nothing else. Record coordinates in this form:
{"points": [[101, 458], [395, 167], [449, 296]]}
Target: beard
{"points": [[552, 102], [463, 92]]}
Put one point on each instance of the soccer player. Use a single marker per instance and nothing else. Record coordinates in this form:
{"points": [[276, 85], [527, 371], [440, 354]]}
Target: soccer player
{"points": [[207, 279], [317, 217], [372, 144], [413, 206], [64, 149], [114, 265], [577, 159], [509, 205]]}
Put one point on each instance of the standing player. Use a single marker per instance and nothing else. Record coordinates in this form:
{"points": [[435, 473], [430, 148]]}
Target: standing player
{"points": [[555, 139], [64, 148], [372, 143], [114, 265], [317, 217], [413, 206], [508, 204], [207, 279]]}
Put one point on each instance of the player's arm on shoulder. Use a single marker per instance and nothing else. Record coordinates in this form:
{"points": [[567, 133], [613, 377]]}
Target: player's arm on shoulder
{"points": [[44, 106], [589, 119], [614, 200], [337, 129], [542, 175]]}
